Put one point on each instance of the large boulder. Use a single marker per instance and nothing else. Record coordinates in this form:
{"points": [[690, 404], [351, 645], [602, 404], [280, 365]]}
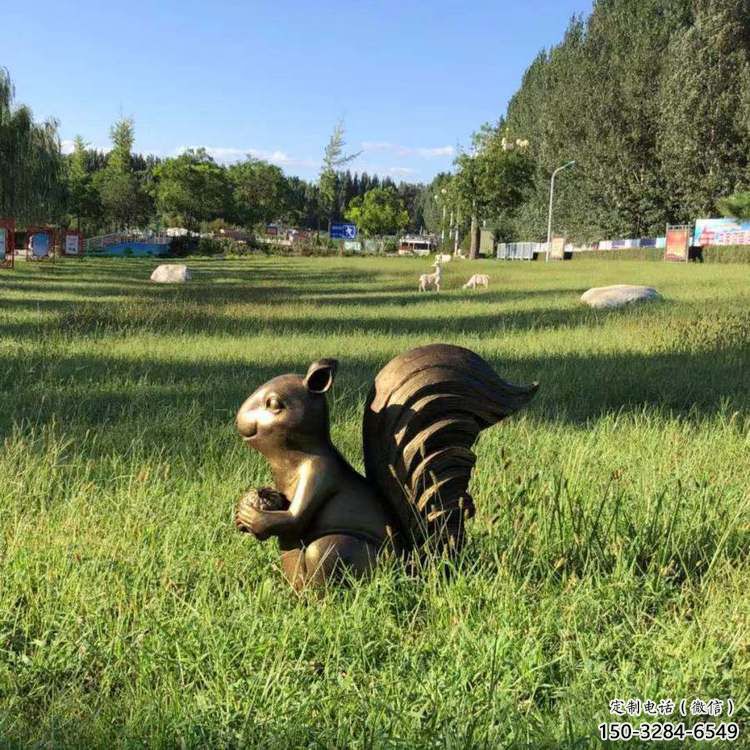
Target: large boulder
{"points": [[173, 273], [618, 296]]}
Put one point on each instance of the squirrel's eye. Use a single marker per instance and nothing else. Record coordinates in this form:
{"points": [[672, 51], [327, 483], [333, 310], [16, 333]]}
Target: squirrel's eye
{"points": [[273, 403]]}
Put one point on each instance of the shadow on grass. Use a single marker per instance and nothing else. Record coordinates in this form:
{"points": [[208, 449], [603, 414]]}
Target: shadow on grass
{"points": [[574, 388], [145, 396], [262, 282], [182, 312]]}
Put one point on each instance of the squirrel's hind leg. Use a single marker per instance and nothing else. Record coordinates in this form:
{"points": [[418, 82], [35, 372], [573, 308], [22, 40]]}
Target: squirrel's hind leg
{"points": [[328, 558], [293, 565], [337, 556]]}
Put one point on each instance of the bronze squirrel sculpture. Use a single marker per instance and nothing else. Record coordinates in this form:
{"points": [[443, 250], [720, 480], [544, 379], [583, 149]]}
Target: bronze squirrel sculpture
{"points": [[422, 416]]}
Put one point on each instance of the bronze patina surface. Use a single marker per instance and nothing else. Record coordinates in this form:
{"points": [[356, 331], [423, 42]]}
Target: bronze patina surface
{"points": [[422, 416]]}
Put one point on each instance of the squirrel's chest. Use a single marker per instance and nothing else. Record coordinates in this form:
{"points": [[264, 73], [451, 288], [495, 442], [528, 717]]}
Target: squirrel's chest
{"points": [[355, 506]]}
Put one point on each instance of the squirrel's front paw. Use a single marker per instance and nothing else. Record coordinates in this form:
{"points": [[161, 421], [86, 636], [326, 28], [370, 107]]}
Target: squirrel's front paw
{"points": [[249, 520], [249, 515]]}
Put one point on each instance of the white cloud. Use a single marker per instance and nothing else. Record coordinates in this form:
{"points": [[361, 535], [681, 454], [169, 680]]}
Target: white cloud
{"points": [[437, 151], [423, 151], [68, 146], [230, 154], [400, 171]]}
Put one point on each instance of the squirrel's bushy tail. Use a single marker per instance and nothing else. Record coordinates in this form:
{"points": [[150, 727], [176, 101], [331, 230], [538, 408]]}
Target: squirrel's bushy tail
{"points": [[424, 412]]}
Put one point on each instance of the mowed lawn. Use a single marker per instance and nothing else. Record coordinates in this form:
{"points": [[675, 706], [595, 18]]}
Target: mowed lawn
{"points": [[609, 557]]}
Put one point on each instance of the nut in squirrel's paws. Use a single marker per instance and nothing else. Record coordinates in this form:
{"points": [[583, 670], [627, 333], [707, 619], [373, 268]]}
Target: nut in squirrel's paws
{"points": [[266, 498]]}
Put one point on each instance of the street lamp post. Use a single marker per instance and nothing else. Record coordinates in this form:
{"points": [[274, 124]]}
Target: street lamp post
{"points": [[440, 200], [551, 199], [458, 221]]}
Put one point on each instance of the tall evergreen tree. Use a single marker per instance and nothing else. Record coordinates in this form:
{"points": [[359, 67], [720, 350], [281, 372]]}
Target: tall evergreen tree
{"points": [[599, 98], [121, 194], [705, 131], [83, 199], [334, 159]]}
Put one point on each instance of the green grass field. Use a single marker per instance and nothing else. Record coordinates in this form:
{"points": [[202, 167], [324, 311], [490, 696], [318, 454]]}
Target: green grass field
{"points": [[609, 557]]}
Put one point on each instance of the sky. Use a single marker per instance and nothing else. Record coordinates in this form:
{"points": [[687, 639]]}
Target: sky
{"points": [[410, 80]]}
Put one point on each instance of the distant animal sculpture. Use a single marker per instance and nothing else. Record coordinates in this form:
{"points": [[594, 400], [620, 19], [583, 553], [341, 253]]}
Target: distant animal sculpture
{"points": [[443, 258], [478, 279], [429, 281]]}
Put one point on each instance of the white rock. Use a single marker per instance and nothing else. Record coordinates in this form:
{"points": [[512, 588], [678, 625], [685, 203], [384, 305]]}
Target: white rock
{"points": [[174, 273], [619, 295]]}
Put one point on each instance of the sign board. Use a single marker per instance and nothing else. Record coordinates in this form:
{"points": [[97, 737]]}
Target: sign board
{"points": [[40, 243], [72, 243], [343, 231], [721, 232], [557, 248], [354, 247], [678, 244], [7, 242]]}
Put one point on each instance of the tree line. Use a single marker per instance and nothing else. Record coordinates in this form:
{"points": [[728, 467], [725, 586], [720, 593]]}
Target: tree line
{"points": [[98, 192], [651, 98]]}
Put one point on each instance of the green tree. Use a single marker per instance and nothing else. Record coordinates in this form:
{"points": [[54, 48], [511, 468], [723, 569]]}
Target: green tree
{"points": [[493, 180], [31, 165], [467, 193], [191, 188], [303, 207], [261, 192], [334, 159], [124, 202], [83, 200], [705, 130], [380, 211], [436, 205], [596, 98], [736, 206], [411, 195]]}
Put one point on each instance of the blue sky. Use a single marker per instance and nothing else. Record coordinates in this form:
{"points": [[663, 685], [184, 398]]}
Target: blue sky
{"points": [[411, 80]]}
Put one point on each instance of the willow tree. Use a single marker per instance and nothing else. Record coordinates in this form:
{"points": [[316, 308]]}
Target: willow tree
{"points": [[31, 165]]}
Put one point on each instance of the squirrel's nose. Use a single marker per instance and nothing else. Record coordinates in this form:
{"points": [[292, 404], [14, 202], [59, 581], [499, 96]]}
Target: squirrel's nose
{"points": [[247, 426]]}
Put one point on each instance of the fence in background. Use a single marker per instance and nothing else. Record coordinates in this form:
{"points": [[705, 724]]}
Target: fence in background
{"points": [[127, 244], [527, 250], [98, 245], [519, 250]]}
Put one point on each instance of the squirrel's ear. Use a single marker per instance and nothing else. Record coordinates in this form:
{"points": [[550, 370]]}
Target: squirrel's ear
{"points": [[320, 375]]}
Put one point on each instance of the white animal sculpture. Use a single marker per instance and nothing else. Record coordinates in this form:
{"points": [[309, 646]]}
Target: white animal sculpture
{"points": [[478, 279], [429, 281]]}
